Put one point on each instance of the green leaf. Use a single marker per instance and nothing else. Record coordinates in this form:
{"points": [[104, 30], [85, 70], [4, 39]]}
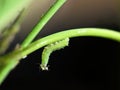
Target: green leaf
{"points": [[9, 10]]}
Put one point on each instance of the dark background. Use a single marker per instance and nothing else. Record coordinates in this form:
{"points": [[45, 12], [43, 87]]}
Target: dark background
{"points": [[88, 63]]}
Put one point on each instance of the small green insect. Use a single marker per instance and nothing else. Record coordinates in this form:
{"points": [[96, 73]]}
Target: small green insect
{"points": [[49, 49]]}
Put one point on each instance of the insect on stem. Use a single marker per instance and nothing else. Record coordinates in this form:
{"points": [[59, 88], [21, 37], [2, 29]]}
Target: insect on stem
{"points": [[49, 49]]}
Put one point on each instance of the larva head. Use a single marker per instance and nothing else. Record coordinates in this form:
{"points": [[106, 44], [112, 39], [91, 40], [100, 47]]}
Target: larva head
{"points": [[43, 67]]}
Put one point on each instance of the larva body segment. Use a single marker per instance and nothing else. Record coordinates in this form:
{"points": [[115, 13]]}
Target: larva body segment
{"points": [[49, 49]]}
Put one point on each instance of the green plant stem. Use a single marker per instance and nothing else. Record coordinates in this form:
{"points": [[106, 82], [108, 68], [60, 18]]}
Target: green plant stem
{"points": [[47, 16], [9, 61], [95, 32]]}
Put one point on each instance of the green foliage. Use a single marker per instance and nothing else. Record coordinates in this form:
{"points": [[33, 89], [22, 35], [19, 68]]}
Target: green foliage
{"points": [[9, 10]]}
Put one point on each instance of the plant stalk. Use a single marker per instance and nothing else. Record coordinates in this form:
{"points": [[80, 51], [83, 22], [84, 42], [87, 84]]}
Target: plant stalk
{"points": [[9, 61], [43, 21]]}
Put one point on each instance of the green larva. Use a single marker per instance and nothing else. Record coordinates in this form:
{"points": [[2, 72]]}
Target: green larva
{"points": [[49, 49]]}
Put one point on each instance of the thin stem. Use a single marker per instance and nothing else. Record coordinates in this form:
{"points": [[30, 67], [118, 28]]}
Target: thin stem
{"points": [[9, 61], [48, 15], [95, 32]]}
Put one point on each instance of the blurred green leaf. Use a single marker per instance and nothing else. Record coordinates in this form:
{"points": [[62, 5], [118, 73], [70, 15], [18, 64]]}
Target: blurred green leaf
{"points": [[9, 10]]}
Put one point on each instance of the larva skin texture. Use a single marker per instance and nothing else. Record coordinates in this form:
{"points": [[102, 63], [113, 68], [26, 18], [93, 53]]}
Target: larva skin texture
{"points": [[49, 49]]}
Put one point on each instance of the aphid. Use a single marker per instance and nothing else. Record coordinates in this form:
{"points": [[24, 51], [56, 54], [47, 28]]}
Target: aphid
{"points": [[49, 49]]}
